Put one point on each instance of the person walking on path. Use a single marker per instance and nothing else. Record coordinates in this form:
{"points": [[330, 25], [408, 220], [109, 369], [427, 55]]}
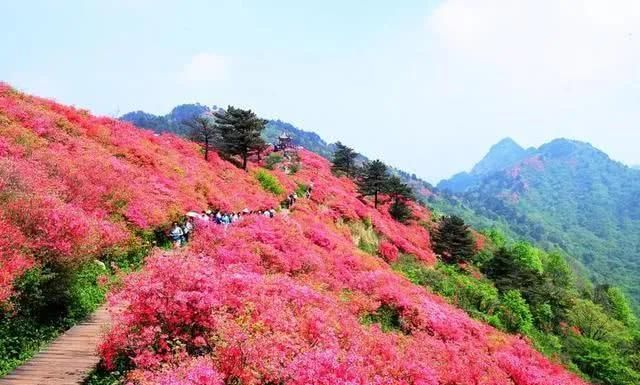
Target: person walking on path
{"points": [[187, 229], [177, 235]]}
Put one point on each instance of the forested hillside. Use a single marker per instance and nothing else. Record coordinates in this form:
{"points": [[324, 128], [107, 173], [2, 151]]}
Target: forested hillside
{"points": [[565, 194]]}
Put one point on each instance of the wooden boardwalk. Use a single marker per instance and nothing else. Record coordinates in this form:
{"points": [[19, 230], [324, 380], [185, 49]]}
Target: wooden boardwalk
{"points": [[67, 360]]}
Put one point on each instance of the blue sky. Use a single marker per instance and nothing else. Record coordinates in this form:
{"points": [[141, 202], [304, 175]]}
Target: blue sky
{"points": [[427, 86]]}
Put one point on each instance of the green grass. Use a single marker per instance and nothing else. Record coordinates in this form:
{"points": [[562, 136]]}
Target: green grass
{"points": [[51, 299], [269, 182]]}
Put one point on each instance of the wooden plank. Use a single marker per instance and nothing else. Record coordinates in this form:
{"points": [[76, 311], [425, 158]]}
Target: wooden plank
{"points": [[67, 360]]}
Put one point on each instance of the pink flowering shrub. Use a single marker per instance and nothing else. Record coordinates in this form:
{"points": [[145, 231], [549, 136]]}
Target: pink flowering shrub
{"points": [[12, 262], [388, 251], [287, 300], [266, 301], [76, 185]]}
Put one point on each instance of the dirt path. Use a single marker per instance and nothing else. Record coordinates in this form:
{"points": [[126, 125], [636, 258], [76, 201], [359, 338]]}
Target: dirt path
{"points": [[67, 360]]}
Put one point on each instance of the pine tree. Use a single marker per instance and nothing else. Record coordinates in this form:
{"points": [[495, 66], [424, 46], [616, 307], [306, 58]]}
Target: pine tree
{"points": [[399, 193], [373, 180], [453, 240], [240, 132], [344, 159], [202, 130], [400, 211]]}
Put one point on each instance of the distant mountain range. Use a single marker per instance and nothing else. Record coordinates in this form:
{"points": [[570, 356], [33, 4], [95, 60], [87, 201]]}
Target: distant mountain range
{"points": [[564, 194]]}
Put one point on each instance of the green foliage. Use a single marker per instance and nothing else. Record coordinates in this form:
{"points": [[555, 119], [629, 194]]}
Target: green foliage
{"points": [[272, 160], [301, 189], [240, 133], [387, 316], [453, 241], [344, 160], [601, 362], [576, 199], [399, 193], [85, 293], [269, 182], [48, 300], [400, 211], [51, 298], [364, 235], [594, 323], [527, 256], [515, 313], [479, 298], [496, 236], [103, 377], [373, 180], [605, 350], [620, 307]]}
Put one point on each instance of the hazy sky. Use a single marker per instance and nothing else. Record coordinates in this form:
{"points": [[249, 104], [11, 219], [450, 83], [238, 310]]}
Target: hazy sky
{"points": [[427, 86]]}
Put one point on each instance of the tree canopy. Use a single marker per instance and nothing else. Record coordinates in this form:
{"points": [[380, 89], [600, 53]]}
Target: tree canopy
{"points": [[373, 180], [344, 160], [453, 240], [240, 133]]}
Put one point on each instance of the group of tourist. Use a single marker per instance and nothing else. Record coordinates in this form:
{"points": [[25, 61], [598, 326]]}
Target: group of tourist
{"points": [[180, 233]]}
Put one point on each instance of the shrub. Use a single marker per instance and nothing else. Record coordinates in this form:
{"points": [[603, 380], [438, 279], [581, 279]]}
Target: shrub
{"points": [[269, 182], [515, 313], [387, 316], [400, 211], [272, 160]]}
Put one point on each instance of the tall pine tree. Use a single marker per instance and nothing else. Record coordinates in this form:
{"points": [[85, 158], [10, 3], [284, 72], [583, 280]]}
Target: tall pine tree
{"points": [[344, 160], [453, 241], [373, 180], [239, 132]]}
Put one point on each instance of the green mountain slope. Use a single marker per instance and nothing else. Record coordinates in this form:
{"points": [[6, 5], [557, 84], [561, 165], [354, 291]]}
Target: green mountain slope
{"points": [[564, 194]]}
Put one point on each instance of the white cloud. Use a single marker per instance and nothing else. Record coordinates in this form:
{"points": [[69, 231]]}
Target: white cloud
{"points": [[539, 44], [204, 67]]}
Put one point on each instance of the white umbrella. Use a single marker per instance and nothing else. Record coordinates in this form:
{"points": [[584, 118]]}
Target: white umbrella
{"points": [[193, 214]]}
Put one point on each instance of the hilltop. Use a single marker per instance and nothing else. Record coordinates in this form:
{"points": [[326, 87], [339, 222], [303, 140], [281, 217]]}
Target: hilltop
{"points": [[307, 297]]}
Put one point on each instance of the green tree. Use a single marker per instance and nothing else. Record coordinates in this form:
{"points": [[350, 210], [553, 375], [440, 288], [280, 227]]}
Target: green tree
{"points": [[240, 133], [601, 361], [400, 211], [373, 180], [594, 323], [344, 160], [453, 241], [202, 129], [399, 193], [620, 307], [515, 313]]}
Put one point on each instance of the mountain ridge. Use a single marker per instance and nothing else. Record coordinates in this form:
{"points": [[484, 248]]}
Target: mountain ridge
{"points": [[567, 194]]}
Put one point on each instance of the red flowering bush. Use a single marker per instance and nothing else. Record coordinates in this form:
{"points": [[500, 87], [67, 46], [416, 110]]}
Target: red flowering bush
{"points": [[388, 251], [12, 262], [265, 302], [287, 300]]}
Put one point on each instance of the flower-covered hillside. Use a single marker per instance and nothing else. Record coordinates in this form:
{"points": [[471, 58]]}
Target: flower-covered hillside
{"points": [[290, 301], [73, 186], [306, 297]]}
